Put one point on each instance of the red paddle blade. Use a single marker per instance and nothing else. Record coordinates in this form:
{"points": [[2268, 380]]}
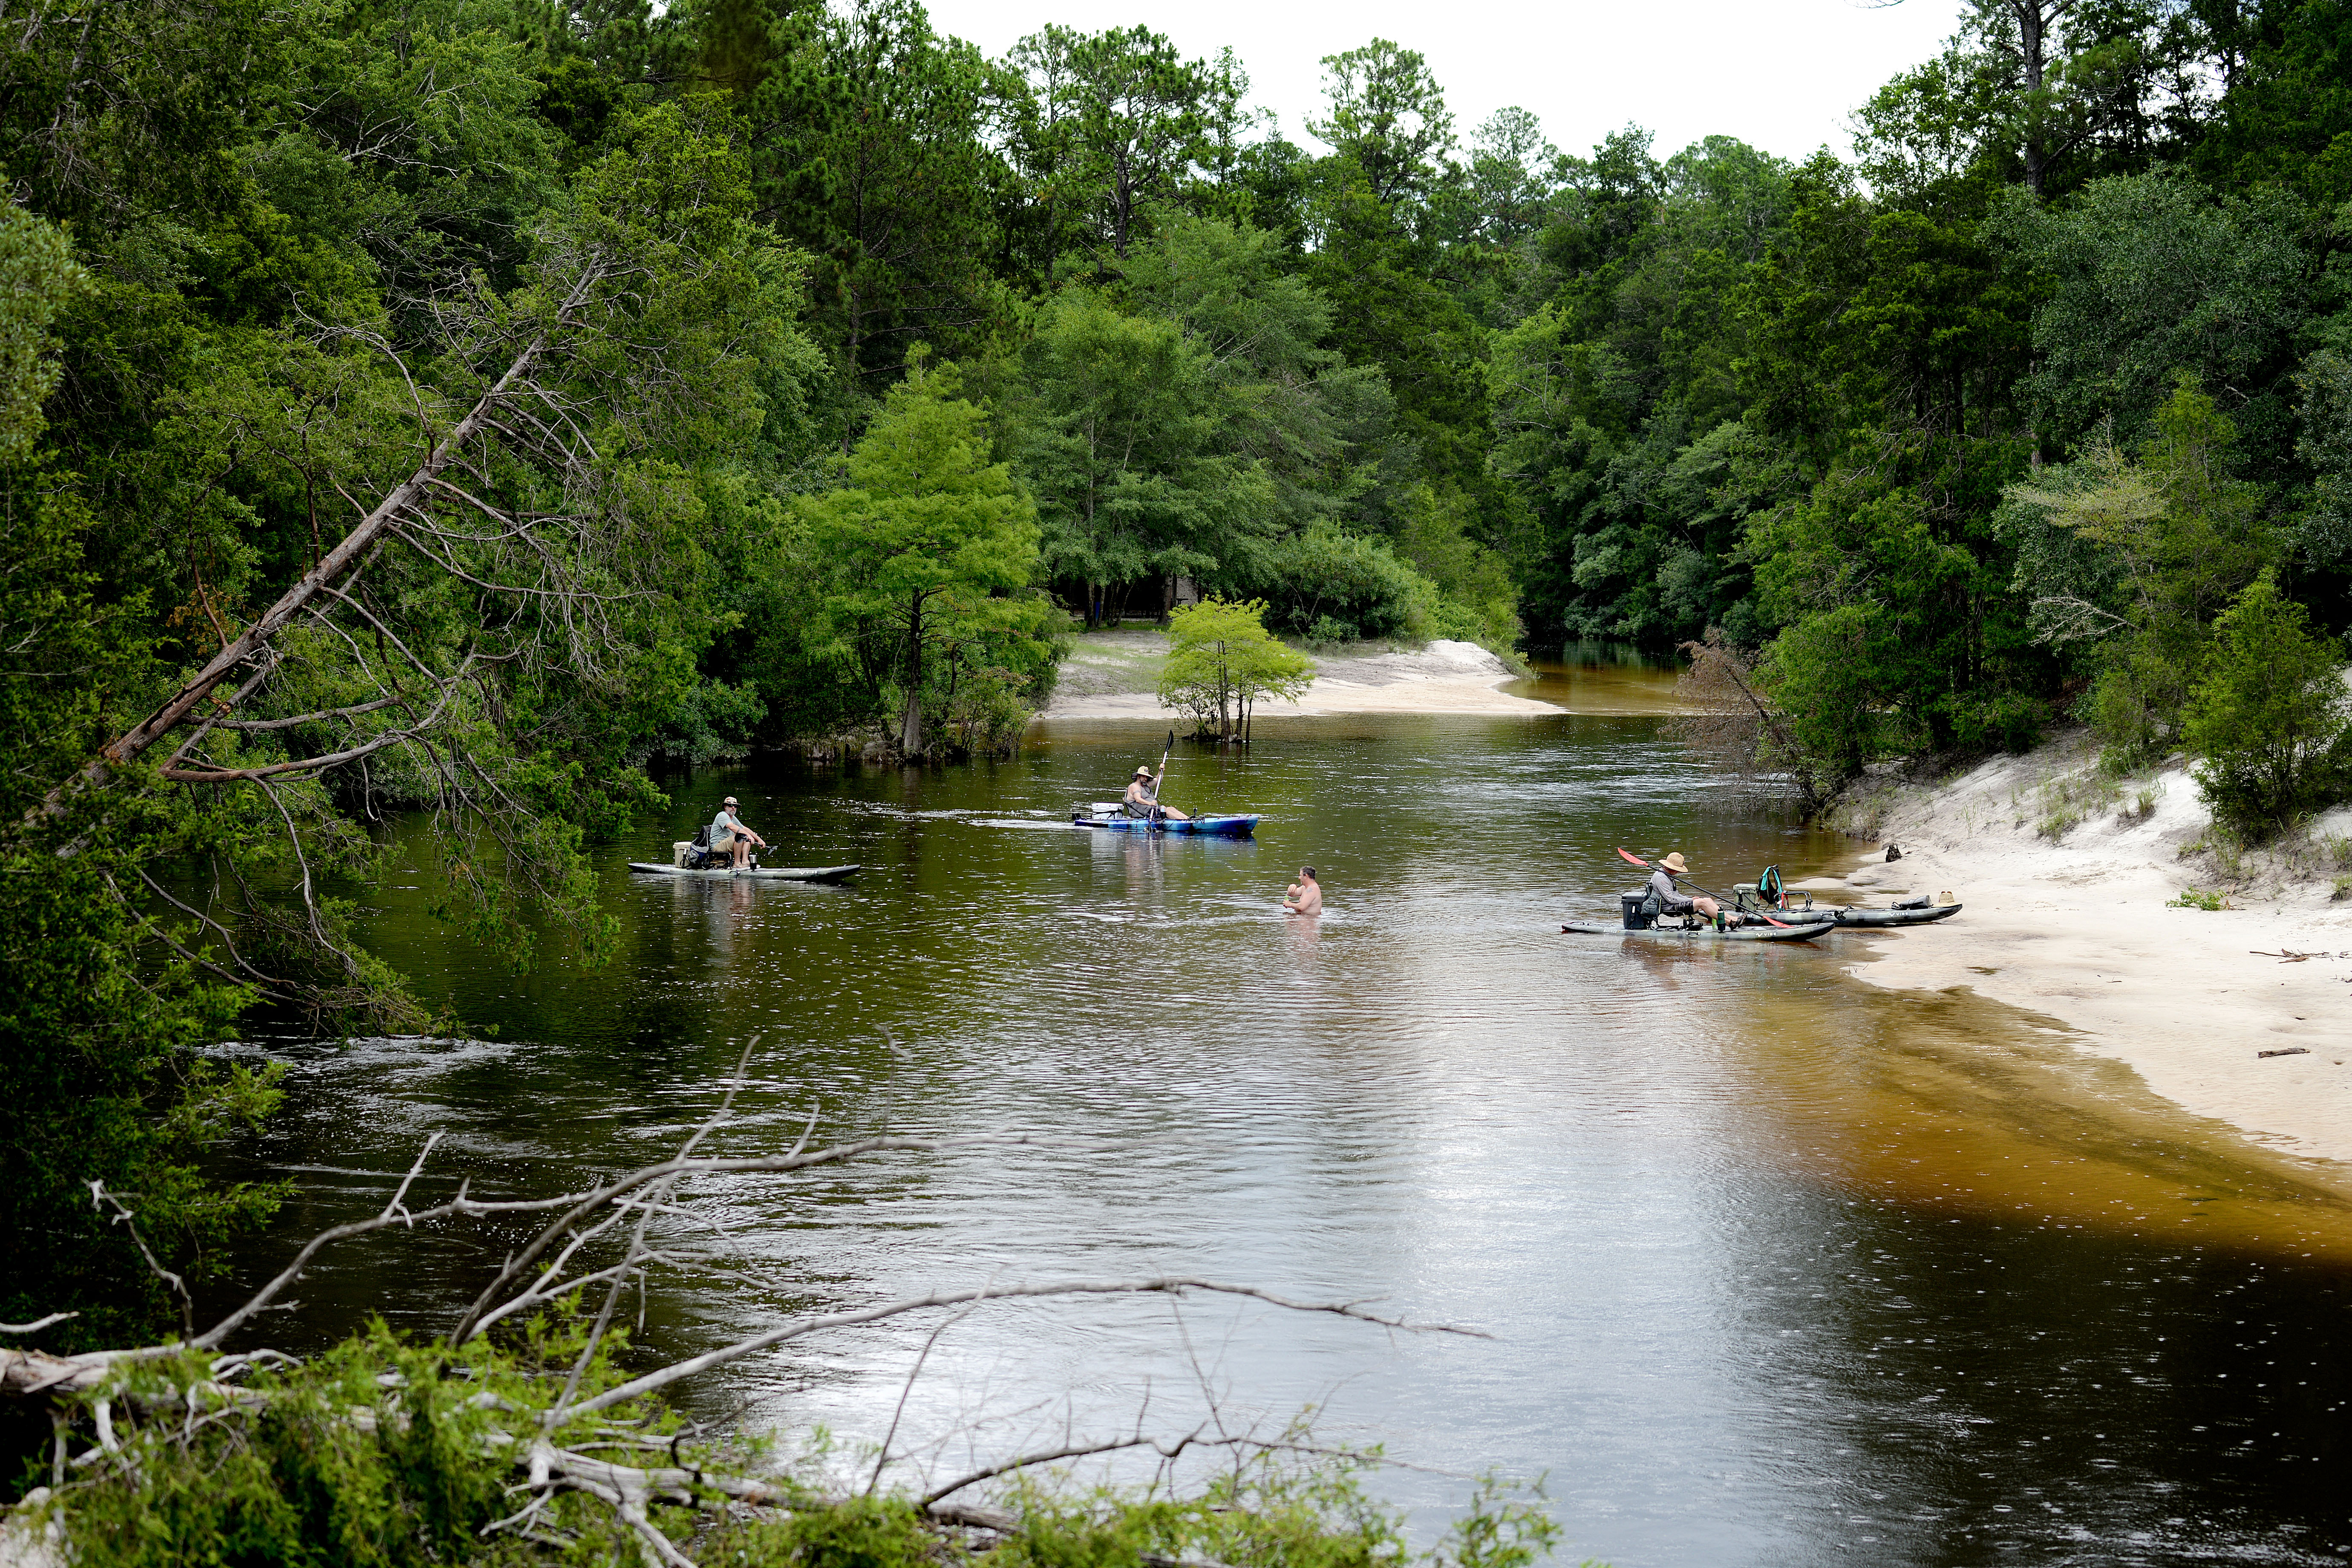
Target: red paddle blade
{"points": [[1635, 859]]}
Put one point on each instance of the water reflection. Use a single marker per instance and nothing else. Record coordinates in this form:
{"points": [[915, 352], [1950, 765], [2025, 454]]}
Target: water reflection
{"points": [[1776, 1266], [1591, 677]]}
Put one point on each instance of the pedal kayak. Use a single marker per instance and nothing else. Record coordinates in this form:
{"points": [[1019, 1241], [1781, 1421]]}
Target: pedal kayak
{"points": [[1706, 931], [1895, 917], [772, 873], [1918, 912], [1212, 826]]}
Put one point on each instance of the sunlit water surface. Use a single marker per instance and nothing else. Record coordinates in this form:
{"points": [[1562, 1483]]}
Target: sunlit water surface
{"points": [[1773, 1267]]}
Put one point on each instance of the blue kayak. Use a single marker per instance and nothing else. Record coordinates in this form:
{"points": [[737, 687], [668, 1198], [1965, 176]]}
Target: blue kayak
{"points": [[1213, 826]]}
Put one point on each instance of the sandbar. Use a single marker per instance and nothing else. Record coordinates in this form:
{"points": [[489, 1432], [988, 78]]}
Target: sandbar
{"points": [[1111, 674], [2078, 928]]}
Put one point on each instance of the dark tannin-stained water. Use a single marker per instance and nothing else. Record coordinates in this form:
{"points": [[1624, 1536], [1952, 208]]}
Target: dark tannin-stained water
{"points": [[1777, 1268]]}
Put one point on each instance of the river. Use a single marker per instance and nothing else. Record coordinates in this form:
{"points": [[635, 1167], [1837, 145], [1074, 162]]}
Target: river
{"points": [[1774, 1268]]}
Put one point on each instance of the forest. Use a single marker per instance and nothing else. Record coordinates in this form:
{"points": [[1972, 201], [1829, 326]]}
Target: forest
{"points": [[476, 408]]}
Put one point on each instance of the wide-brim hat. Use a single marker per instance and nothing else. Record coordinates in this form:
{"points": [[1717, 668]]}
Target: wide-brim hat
{"points": [[731, 800], [1144, 772], [1674, 863]]}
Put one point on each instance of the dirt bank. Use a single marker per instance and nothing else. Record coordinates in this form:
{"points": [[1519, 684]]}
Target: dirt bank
{"points": [[1112, 675], [2069, 881]]}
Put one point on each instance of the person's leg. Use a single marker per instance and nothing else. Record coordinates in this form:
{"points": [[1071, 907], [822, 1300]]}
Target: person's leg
{"points": [[1706, 907]]}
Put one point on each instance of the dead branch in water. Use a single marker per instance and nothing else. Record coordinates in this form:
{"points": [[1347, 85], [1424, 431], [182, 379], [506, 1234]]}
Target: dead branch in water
{"points": [[121, 1408]]}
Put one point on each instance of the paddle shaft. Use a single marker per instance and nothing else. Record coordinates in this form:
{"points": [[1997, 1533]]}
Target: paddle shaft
{"points": [[1159, 809]]}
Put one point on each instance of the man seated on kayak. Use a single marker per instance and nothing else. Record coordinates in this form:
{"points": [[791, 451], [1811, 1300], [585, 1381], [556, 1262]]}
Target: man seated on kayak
{"points": [[1142, 792], [729, 836], [1672, 901]]}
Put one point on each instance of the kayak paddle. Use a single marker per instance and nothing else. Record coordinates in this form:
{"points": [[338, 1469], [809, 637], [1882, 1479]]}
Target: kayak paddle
{"points": [[1711, 893], [1158, 808]]}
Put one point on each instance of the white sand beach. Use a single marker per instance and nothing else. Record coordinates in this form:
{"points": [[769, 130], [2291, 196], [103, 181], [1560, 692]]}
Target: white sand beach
{"points": [[1111, 674], [2078, 928]]}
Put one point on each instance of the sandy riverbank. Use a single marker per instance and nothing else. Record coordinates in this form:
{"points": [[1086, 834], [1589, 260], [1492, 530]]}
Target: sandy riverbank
{"points": [[2078, 928], [1112, 675]]}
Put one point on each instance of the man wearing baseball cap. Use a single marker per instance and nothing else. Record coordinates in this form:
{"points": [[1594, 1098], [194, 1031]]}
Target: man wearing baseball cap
{"points": [[729, 836], [1142, 796]]}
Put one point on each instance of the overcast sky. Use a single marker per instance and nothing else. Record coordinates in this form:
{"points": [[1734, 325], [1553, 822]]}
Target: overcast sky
{"points": [[1782, 75]]}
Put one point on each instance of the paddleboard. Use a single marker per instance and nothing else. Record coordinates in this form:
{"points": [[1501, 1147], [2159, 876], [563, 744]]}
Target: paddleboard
{"points": [[772, 873]]}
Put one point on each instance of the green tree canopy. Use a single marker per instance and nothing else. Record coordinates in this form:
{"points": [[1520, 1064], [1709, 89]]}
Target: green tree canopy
{"points": [[928, 539]]}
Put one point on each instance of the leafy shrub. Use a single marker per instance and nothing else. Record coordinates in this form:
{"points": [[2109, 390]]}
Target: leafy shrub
{"points": [[1457, 622], [1322, 575], [385, 1454], [2133, 706], [1996, 722], [378, 1454], [1820, 675], [2269, 720]]}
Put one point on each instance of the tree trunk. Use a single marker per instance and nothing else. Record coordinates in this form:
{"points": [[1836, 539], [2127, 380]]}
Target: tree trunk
{"points": [[254, 644], [2032, 40], [910, 723]]}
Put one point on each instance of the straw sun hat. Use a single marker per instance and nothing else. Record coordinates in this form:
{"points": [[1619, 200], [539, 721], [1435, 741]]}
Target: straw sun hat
{"points": [[1674, 863]]}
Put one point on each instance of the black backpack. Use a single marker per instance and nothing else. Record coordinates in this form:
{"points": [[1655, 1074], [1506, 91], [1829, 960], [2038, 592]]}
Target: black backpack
{"points": [[1770, 889], [702, 838]]}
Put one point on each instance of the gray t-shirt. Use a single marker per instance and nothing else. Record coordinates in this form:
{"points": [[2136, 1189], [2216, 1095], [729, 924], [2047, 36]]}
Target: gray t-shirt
{"points": [[723, 826], [1662, 882]]}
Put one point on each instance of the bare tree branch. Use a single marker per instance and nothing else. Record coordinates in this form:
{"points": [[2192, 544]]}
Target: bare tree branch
{"points": [[256, 726], [1175, 1285]]}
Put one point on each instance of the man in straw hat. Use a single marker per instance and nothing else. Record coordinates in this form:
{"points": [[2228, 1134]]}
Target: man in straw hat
{"points": [[1142, 796], [1670, 901]]}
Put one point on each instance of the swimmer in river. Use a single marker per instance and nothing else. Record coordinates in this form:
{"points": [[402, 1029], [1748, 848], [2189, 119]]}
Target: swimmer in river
{"points": [[1304, 896]]}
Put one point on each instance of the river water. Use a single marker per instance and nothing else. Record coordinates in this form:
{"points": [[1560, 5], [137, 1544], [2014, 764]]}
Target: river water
{"points": [[1772, 1267]]}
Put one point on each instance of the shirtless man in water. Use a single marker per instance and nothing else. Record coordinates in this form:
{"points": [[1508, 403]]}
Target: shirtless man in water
{"points": [[1304, 896]]}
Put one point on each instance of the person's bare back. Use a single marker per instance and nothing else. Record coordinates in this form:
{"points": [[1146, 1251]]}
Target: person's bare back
{"points": [[1304, 896]]}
